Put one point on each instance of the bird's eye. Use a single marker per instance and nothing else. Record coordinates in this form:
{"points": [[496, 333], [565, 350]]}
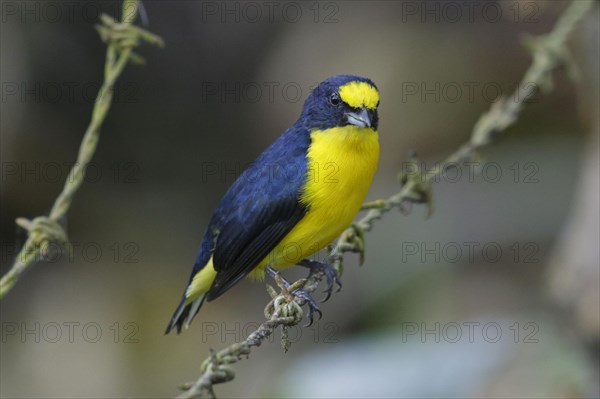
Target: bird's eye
{"points": [[334, 99]]}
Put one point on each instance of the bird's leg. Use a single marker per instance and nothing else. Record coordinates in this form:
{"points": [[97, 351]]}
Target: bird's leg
{"points": [[329, 271], [313, 307]]}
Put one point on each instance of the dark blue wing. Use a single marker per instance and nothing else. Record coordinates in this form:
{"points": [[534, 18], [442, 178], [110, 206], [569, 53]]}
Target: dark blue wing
{"points": [[258, 211]]}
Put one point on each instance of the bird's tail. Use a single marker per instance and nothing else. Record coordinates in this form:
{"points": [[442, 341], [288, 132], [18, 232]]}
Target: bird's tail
{"points": [[185, 313], [200, 282]]}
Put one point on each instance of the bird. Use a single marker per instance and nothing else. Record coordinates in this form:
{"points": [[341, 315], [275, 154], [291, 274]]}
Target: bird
{"points": [[298, 196]]}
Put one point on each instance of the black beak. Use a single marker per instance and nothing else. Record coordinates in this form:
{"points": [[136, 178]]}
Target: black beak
{"points": [[360, 118]]}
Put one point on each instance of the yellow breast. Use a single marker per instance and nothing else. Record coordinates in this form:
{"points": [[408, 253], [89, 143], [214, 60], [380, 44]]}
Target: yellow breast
{"points": [[342, 162]]}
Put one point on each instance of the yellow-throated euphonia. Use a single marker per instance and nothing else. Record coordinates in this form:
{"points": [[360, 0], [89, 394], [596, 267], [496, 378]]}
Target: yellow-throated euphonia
{"points": [[297, 197]]}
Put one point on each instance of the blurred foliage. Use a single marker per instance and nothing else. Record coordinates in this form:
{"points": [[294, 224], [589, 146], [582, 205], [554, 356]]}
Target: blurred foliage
{"points": [[154, 197]]}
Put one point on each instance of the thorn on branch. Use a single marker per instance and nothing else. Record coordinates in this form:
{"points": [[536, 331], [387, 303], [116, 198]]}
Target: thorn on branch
{"points": [[125, 36], [43, 231], [376, 204], [353, 240], [415, 180]]}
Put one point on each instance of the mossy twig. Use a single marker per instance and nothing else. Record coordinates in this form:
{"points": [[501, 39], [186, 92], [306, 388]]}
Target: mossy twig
{"points": [[121, 38]]}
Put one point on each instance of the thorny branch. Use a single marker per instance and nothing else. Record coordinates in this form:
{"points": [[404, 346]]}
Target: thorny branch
{"points": [[549, 52], [121, 37]]}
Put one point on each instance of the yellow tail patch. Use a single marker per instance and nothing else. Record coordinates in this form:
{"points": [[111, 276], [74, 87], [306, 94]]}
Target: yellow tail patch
{"points": [[201, 282]]}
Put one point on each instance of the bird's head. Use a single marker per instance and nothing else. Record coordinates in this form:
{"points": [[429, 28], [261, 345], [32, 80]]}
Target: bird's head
{"points": [[342, 100]]}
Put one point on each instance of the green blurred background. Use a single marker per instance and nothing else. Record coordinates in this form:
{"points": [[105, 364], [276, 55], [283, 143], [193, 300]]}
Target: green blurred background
{"points": [[419, 319]]}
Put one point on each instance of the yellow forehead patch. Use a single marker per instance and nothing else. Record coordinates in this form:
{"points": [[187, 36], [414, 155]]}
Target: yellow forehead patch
{"points": [[359, 94]]}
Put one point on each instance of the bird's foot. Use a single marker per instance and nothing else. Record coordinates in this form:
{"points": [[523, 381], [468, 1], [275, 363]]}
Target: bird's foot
{"points": [[295, 290], [331, 274]]}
